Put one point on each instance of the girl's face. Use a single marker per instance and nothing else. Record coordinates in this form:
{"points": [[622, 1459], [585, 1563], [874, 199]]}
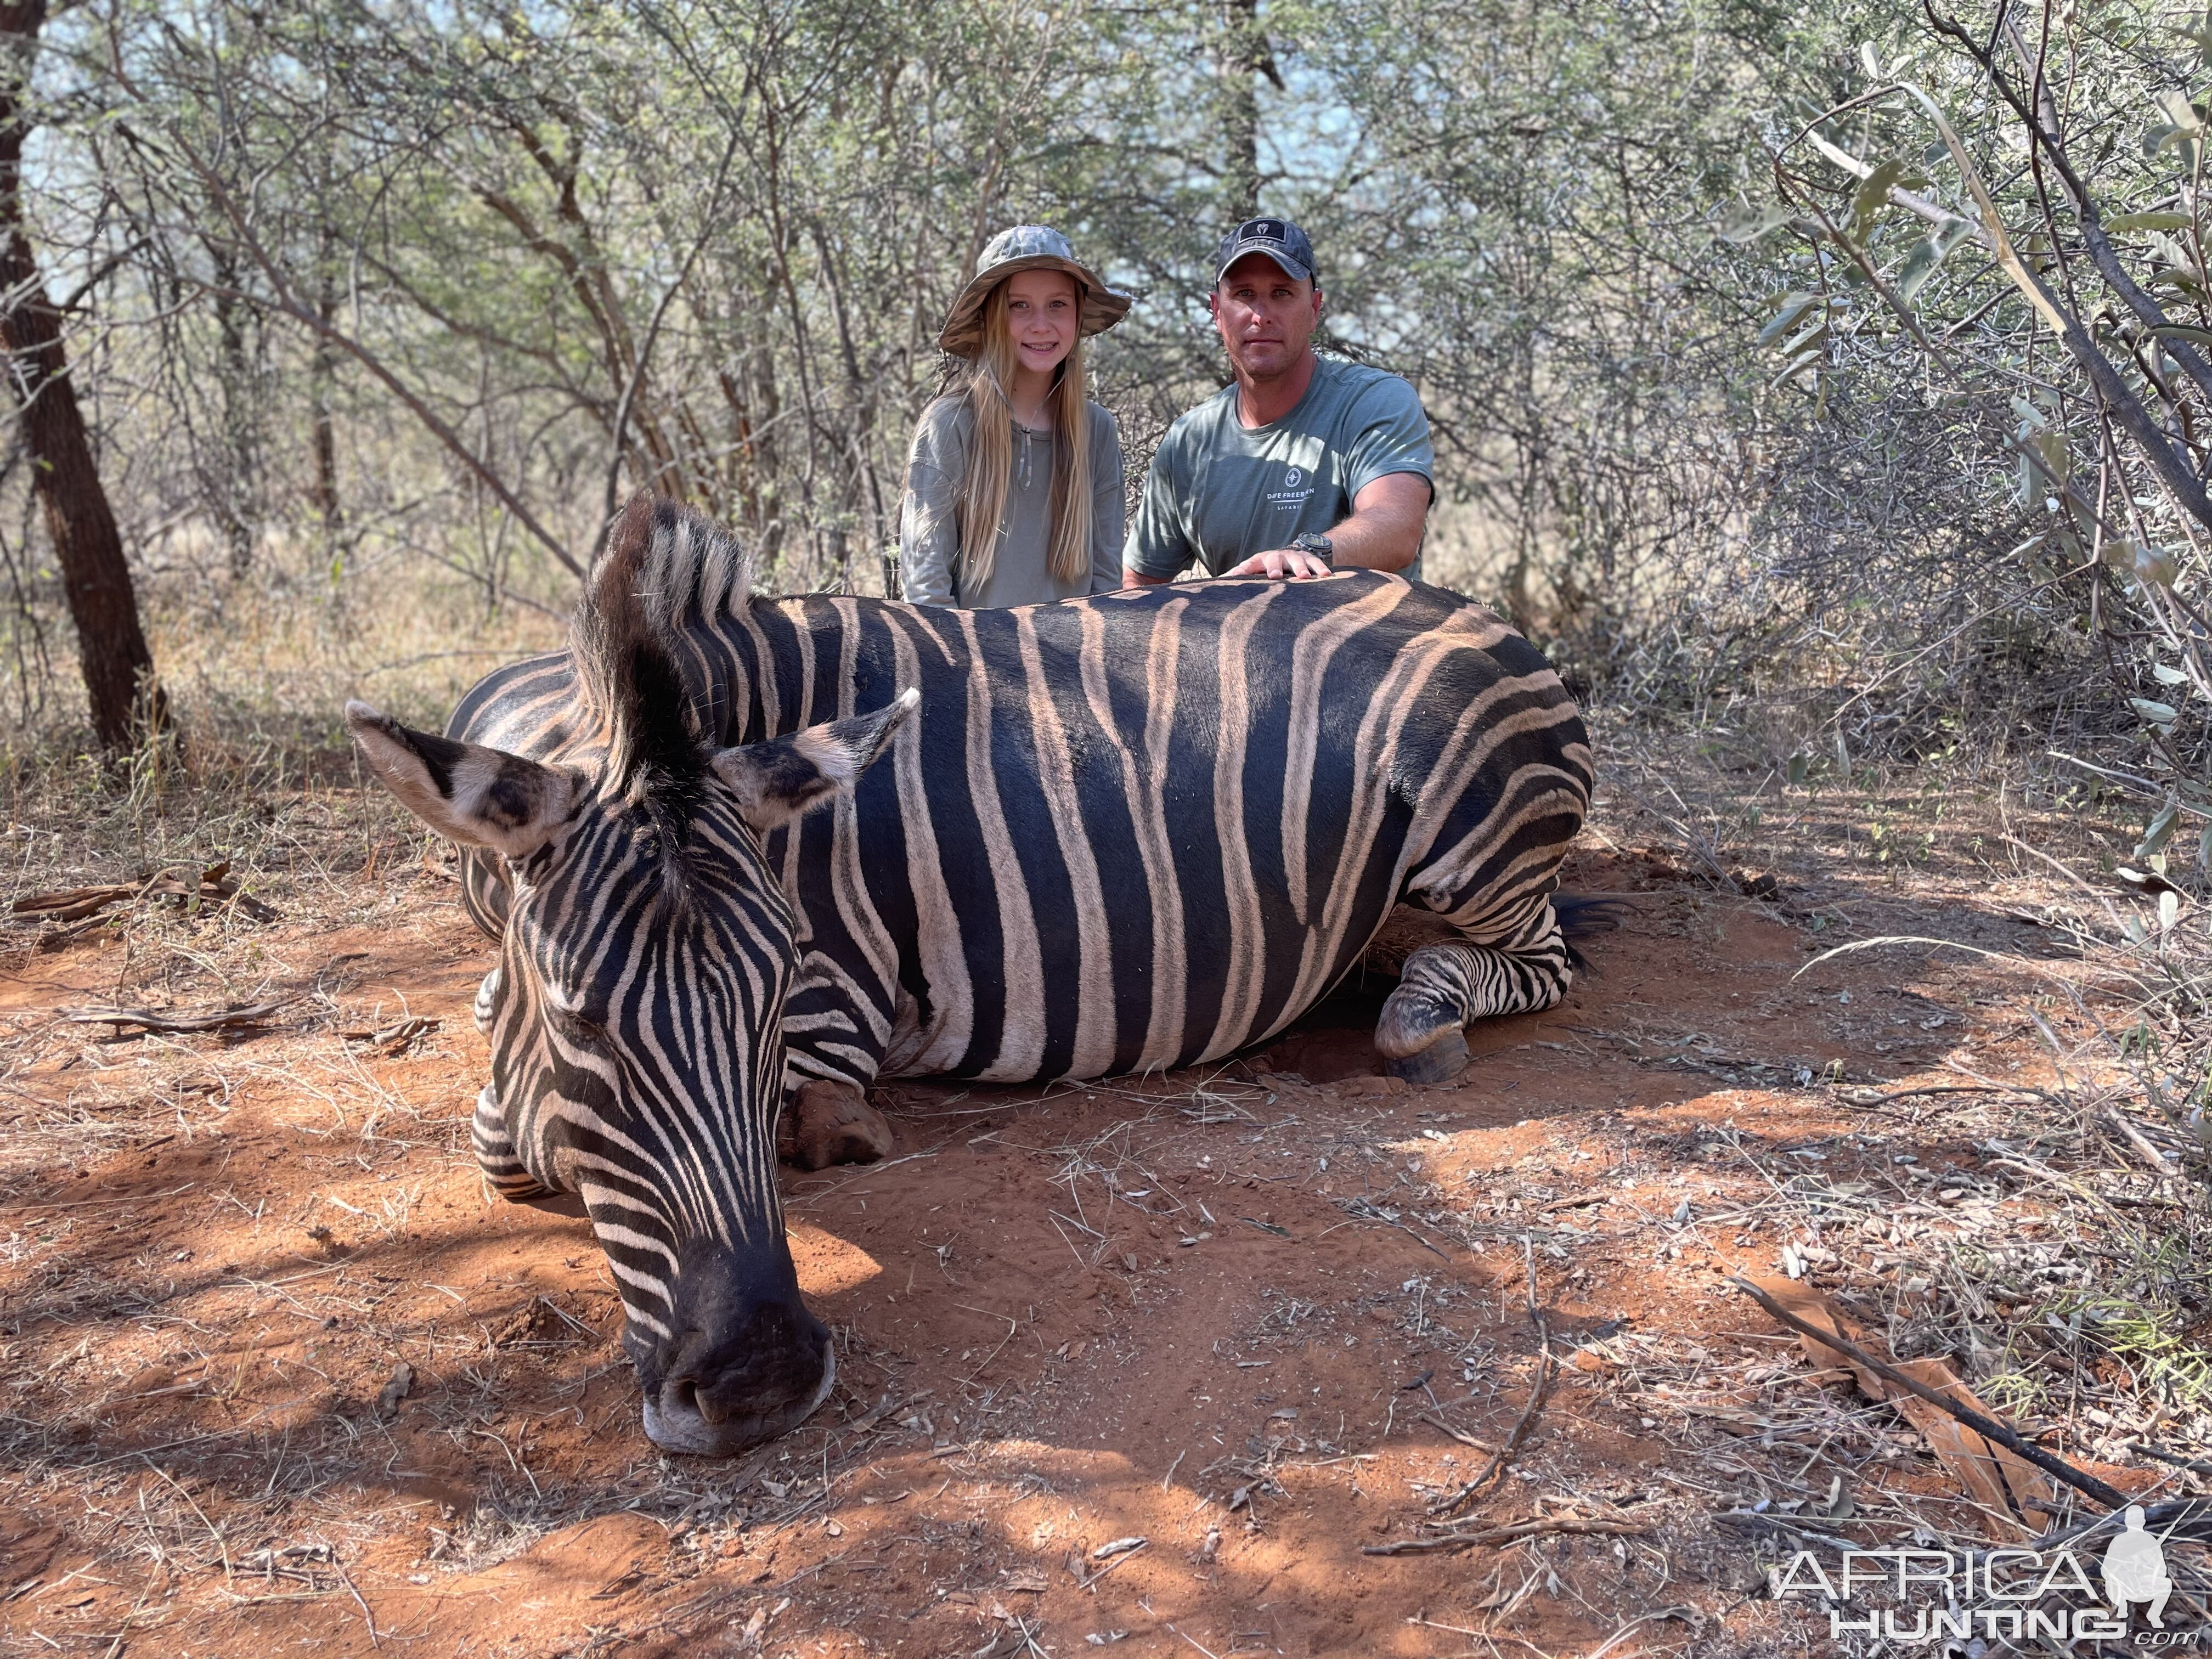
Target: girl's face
{"points": [[1044, 313]]}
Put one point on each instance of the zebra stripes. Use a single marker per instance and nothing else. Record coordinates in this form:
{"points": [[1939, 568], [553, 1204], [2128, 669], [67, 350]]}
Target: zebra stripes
{"points": [[1132, 832], [1124, 834]]}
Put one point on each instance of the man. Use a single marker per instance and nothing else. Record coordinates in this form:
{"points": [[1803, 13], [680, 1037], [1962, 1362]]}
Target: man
{"points": [[1303, 464]]}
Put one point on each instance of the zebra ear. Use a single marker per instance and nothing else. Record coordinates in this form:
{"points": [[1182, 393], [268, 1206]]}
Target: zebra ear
{"points": [[786, 778], [464, 791]]}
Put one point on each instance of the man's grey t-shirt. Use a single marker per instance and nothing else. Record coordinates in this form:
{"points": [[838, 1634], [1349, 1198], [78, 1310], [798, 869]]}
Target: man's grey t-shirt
{"points": [[1219, 492]]}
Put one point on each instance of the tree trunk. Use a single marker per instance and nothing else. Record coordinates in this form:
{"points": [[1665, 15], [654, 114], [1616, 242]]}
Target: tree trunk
{"points": [[234, 501], [119, 669], [1243, 58], [322, 377]]}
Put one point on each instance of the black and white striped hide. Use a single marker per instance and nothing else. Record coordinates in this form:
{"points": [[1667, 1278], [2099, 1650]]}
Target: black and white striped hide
{"points": [[1131, 832], [635, 1021]]}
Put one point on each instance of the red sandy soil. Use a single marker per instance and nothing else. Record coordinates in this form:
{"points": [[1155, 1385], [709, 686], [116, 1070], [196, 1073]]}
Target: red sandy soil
{"points": [[1227, 1313]]}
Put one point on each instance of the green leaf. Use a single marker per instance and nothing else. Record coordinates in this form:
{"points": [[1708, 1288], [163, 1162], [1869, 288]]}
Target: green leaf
{"points": [[1811, 342], [1794, 308], [1743, 224], [2182, 332], [2145, 561], [2161, 826], [2153, 713], [2177, 108], [1872, 196], [2168, 676], [2149, 222], [1919, 265], [1928, 256], [2157, 136], [2201, 34]]}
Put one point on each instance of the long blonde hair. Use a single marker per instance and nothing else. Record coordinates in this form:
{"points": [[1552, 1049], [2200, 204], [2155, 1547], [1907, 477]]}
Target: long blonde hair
{"points": [[991, 455]]}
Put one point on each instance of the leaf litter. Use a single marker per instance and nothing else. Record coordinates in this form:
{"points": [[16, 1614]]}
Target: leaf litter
{"points": [[277, 1368]]}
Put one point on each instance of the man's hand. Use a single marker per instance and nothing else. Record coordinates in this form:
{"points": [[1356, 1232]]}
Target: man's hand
{"points": [[1383, 533], [1282, 564]]}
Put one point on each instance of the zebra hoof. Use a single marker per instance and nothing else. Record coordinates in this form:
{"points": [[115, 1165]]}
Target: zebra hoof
{"points": [[833, 1123], [1440, 1062]]}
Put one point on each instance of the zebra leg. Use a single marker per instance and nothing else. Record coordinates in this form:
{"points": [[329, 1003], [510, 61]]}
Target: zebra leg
{"points": [[1422, 1035], [826, 1122]]}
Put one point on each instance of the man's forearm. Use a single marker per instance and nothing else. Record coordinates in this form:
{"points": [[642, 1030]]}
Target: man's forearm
{"points": [[1384, 530], [1381, 538], [1383, 533]]}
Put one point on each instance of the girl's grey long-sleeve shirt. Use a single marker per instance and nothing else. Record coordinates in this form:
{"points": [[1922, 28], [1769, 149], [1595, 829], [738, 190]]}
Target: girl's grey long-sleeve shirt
{"points": [[929, 517]]}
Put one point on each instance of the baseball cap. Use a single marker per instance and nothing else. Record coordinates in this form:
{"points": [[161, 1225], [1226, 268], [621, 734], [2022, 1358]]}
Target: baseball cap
{"points": [[1279, 239]]}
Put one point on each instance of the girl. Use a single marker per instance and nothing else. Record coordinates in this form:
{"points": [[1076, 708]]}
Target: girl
{"points": [[1013, 488]]}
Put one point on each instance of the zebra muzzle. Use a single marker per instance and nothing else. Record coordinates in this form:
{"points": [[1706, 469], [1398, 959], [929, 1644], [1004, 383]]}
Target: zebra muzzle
{"points": [[730, 1383], [682, 1418]]}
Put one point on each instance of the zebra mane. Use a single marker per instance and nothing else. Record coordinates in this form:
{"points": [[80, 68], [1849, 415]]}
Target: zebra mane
{"points": [[664, 568]]}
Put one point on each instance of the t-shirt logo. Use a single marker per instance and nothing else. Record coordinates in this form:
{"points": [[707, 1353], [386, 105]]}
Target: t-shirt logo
{"points": [[1293, 478]]}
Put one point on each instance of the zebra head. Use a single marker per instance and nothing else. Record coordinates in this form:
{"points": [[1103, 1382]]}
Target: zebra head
{"points": [[635, 1015]]}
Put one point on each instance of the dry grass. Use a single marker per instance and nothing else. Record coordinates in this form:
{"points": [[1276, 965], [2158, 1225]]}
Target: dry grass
{"points": [[2042, 1229]]}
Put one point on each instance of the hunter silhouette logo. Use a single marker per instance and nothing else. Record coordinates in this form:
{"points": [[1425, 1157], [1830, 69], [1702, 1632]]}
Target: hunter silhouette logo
{"points": [[2135, 1571]]}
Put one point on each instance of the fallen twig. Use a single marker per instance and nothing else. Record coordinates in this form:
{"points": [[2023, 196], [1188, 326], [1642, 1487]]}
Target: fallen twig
{"points": [[360, 1600], [1988, 1427], [2194, 1465], [2141, 1142], [1129, 1554], [2189, 1519], [223, 1019], [1360, 1209], [1511, 1534], [1862, 1102], [1459, 1434], [2034, 852], [1012, 1327], [2028, 963], [212, 885], [1547, 1371]]}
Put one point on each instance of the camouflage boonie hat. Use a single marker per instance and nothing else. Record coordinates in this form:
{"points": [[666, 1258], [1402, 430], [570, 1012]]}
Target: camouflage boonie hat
{"points": [[1026, 248]]}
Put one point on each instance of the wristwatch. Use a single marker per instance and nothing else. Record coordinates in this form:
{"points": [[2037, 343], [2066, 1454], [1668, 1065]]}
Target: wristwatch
{"points": [[1320, 546]]}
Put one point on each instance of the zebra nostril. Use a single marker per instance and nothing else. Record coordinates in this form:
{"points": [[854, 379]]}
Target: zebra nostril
{"points": [[682, 1399], [710, 1406]]}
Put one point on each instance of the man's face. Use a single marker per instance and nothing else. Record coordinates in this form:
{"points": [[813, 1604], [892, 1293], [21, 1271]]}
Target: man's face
{"points": [[1266, 316]]}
